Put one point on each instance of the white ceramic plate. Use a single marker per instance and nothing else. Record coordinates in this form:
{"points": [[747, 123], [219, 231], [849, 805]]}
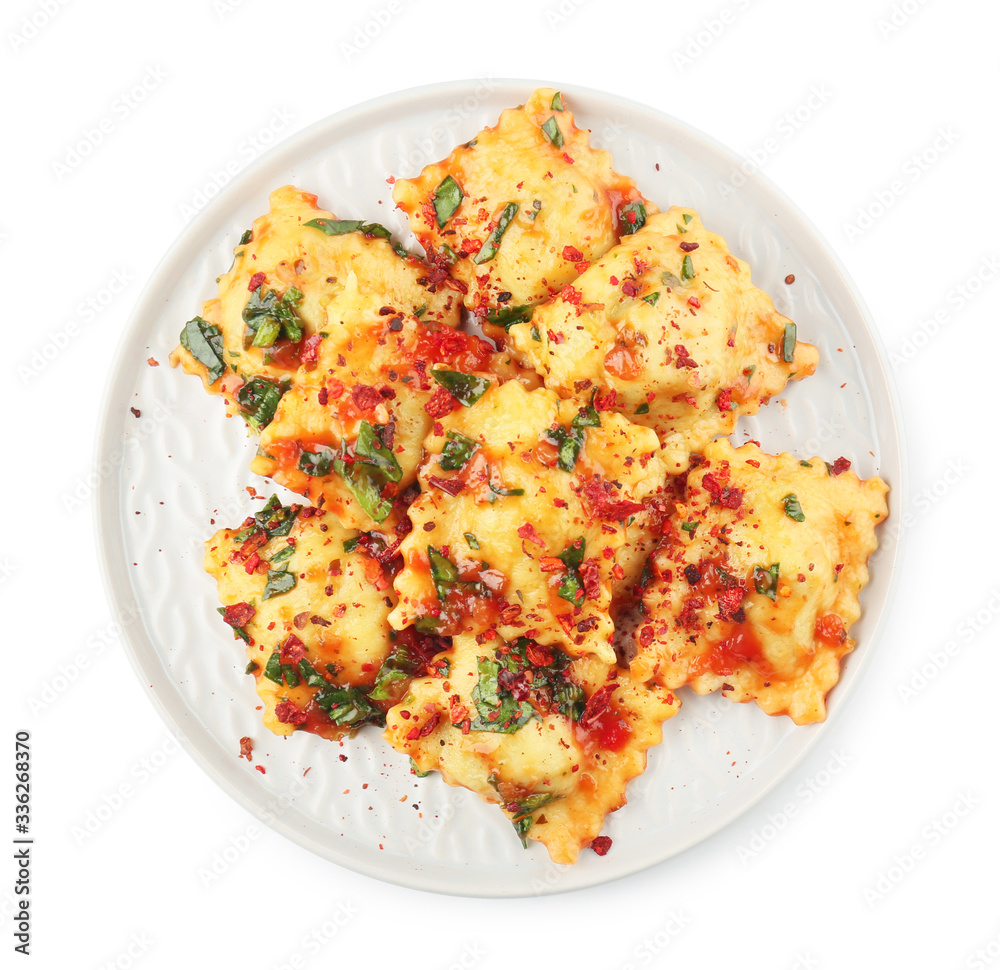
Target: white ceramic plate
{"points": [[181, 467]]}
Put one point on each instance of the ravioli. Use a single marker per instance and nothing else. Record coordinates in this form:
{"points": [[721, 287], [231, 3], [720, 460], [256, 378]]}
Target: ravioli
{"points": [[670, 322], [552, 742], [755, 587], [311, 603], [517, 212], [297, 266], [349, 433], [527, 504]]}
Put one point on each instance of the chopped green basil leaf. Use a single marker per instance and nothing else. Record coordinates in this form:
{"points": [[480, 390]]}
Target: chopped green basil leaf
{"points": [[281, 555], [492, 244], [497, 708], [458, 449], [687, 268], [627, 225], [669, 279], [467, 389], [258, 399], [687, 218], [268, 317], [792, 508], [317, 463], [535, 335], [340, 227], [447, 198], [551, 131], [587, 417], [309, 674], [557, 102], [788, 343], [278, 581], [689, 526], [652, 298], [507, 316], [471, 539], [203, 341], [643, 408], [766, 580], [348, 706], [443, 572], [574, 554]]}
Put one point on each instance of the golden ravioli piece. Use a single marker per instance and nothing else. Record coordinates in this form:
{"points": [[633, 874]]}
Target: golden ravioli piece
{"points": [[756, 586], [349, 432], [297, 266], [517, 212], [527, 503], [310, 601], [552, 742], [670, 322]]}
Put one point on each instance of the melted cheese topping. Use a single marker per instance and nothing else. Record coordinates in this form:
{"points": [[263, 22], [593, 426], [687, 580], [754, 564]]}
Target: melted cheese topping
{"points": [[562, 771], [534, 178], [747, 598], [670, 321], [523, 511]]}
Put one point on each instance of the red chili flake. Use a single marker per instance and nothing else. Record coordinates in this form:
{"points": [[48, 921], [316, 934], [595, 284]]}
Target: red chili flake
{"points": [[318, 620], [152, 361], [572, 254], [551, 564], [260, 768], [628, 287], [601, 845], [646, 635], [310, 349], [323, 397], [538, 656], [603, 505], [560, 503], [457, 711], [440, 404], [605, 402], [136, 412], [839, 466], [571, 294], [450, 485], [790, 279], [688, 247], [582, 266], [246, 748], [567, 159], [683, 359], [725, 400], [556, 338], [754, 462], [292, 650], [529, 533], [695, 302], [597, 703], [613, 280], [334, 388], [427, 728], [730, 599], [251, 564], [256, 280], [731, 498], [591, 575], [239, 614], [288, 713], [300, 620], [365, 397], [566, 622]]}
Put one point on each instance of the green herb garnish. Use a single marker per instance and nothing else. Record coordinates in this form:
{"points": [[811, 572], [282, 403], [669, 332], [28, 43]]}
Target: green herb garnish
{"points": [[628, 226], [766, 580], [258, 399], [551, 131], [687, 268], [492, 244], [458, 449], [447, 198], [788, 344], [467, 389], [792, 508], [507, 316], [278, 581], [203, 341]]}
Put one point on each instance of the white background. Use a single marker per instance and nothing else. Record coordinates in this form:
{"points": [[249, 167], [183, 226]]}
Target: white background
{"points": [[877, 118]]}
